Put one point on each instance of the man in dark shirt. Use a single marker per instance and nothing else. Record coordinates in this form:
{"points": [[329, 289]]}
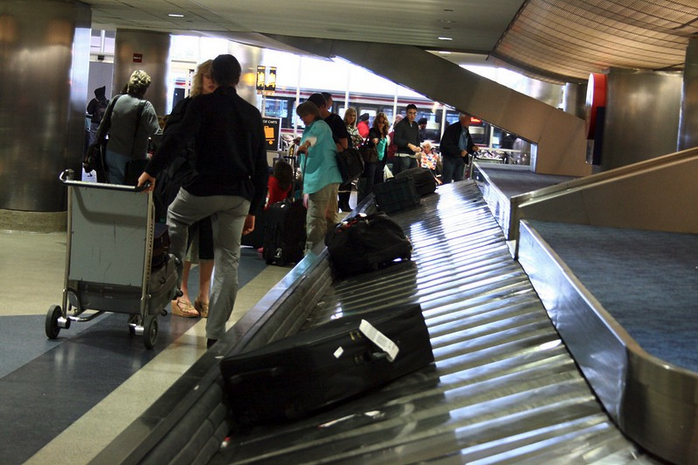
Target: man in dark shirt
{"points": [[229, 184], [456, 144], [406, 139]]}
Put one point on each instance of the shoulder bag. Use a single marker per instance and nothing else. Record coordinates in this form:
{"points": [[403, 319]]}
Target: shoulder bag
{"points": [[368, 152], [350, 164], [94, 156]]}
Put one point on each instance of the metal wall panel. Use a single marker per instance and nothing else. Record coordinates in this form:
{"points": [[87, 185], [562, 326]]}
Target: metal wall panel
{"points": [[688, 125], [153, 49], [44, 51], [642, 116]]}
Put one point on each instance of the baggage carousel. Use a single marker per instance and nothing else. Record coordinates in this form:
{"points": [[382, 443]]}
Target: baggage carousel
{"points": [[503, 389]]}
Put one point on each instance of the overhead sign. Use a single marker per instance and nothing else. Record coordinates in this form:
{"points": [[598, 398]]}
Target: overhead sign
{"points": [[272, 132]]}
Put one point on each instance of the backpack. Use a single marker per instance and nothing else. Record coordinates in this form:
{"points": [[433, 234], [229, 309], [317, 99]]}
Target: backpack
{"points": [[365, 243]]}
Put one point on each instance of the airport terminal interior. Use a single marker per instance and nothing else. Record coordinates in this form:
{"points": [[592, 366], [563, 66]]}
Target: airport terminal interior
{"points": [[557, 281]]}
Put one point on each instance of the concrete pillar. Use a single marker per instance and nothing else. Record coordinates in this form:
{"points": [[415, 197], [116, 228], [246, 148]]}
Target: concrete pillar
{"points": [[44, 58], [144, 50], [688, 125]]}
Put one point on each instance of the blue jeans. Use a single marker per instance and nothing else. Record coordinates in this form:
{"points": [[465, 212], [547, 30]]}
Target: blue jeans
{"points": [[453, 169], [227, 214], [403, 163], [116, 166]]}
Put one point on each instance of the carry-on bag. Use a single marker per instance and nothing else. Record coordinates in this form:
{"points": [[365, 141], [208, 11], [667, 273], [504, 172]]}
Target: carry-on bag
{"points": [[284, 232], [161, 245], [365, 243], [350, 164], [319, 367], [396, 194], [424, 180]]}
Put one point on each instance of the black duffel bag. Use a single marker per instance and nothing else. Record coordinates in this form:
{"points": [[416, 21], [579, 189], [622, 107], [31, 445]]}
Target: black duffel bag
{"points": [[365, 243]]}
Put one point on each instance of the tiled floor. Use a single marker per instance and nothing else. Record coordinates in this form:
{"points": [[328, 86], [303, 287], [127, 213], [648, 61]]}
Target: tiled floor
{"points": [[65, 399]]}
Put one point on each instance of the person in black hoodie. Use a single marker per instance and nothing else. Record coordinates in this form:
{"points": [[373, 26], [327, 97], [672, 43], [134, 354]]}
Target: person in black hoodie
{"points": [[229, 182], [96, 109]]}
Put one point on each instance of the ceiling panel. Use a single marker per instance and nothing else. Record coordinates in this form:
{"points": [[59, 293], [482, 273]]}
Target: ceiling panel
{"points": [[554, 40]]}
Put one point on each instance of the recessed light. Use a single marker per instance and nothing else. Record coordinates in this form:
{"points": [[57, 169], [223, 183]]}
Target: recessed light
{"points": [[445, 38], [175, 15]]}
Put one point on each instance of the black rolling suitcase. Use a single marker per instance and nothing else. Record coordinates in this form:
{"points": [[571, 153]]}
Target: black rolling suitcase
{"points": [[424, 180], [316, 368], [396, 194], [284, 232]]}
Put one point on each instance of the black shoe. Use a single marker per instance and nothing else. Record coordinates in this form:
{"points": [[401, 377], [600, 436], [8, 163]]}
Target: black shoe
{"points": [[210, 342]]}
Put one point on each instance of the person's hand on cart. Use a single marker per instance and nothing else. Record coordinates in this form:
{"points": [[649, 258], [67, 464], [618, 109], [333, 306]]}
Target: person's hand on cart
{"points": [[146, 180]]}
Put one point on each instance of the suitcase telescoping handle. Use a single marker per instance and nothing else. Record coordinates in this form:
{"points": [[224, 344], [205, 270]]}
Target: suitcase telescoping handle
{"points": [[67, 177]]}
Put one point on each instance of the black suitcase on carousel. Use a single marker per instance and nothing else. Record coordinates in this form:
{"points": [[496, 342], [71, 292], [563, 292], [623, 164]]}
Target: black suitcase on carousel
{"points": [[284, 232], [316, 368], [396, 194], [424, 180], [365, 243]]}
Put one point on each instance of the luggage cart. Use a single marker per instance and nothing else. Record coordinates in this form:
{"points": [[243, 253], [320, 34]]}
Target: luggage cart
{"points": [[108, 260]]}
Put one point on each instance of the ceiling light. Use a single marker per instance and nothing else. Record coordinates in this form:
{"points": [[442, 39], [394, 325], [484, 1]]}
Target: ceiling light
{"points": [[444, 52], [175, 15], [445, 38]]}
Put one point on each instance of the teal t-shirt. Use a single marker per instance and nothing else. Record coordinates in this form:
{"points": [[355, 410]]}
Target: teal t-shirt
{"points": [[319, 167]]}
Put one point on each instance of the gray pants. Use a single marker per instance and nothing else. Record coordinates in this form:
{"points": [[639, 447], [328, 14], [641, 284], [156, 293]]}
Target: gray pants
{"points": [[228, 218]]}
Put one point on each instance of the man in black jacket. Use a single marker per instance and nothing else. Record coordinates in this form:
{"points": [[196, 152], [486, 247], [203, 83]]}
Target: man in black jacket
{"points": [[456, 144], [406, 138], [229, 184]]}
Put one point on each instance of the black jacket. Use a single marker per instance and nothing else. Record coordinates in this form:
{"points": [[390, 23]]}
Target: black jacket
{"points": [[449, 141], [229, 146]]}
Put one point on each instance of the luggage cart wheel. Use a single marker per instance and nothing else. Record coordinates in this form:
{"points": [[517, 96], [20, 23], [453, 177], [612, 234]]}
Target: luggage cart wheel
{"points": [[52, 328], [150, 333]]}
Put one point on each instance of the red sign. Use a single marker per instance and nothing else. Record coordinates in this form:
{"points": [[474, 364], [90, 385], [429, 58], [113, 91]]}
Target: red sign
{"points": [[138, 58]]}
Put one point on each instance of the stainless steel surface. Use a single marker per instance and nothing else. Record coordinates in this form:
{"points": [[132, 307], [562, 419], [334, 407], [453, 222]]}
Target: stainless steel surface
{"points": [[641, 116], [653, 401], [42, 113], [503, 388], [499, 204], [154, 50], [688, 123], [623, 197]]}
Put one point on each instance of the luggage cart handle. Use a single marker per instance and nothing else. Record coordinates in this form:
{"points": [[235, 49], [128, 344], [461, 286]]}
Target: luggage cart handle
{"points": [[67, 178]]}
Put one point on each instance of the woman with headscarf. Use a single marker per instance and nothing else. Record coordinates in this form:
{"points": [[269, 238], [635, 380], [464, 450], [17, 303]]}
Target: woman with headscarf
{"points": [[133, 120]]}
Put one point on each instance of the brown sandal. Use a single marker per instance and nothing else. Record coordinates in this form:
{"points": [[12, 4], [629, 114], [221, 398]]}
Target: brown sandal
{"points": [[201, 307], [184, 309]]}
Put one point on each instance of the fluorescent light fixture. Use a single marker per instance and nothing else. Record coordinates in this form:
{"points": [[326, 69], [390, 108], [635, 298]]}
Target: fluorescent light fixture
{"points": [[444, 52], [175, 15], [445, 38]]}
